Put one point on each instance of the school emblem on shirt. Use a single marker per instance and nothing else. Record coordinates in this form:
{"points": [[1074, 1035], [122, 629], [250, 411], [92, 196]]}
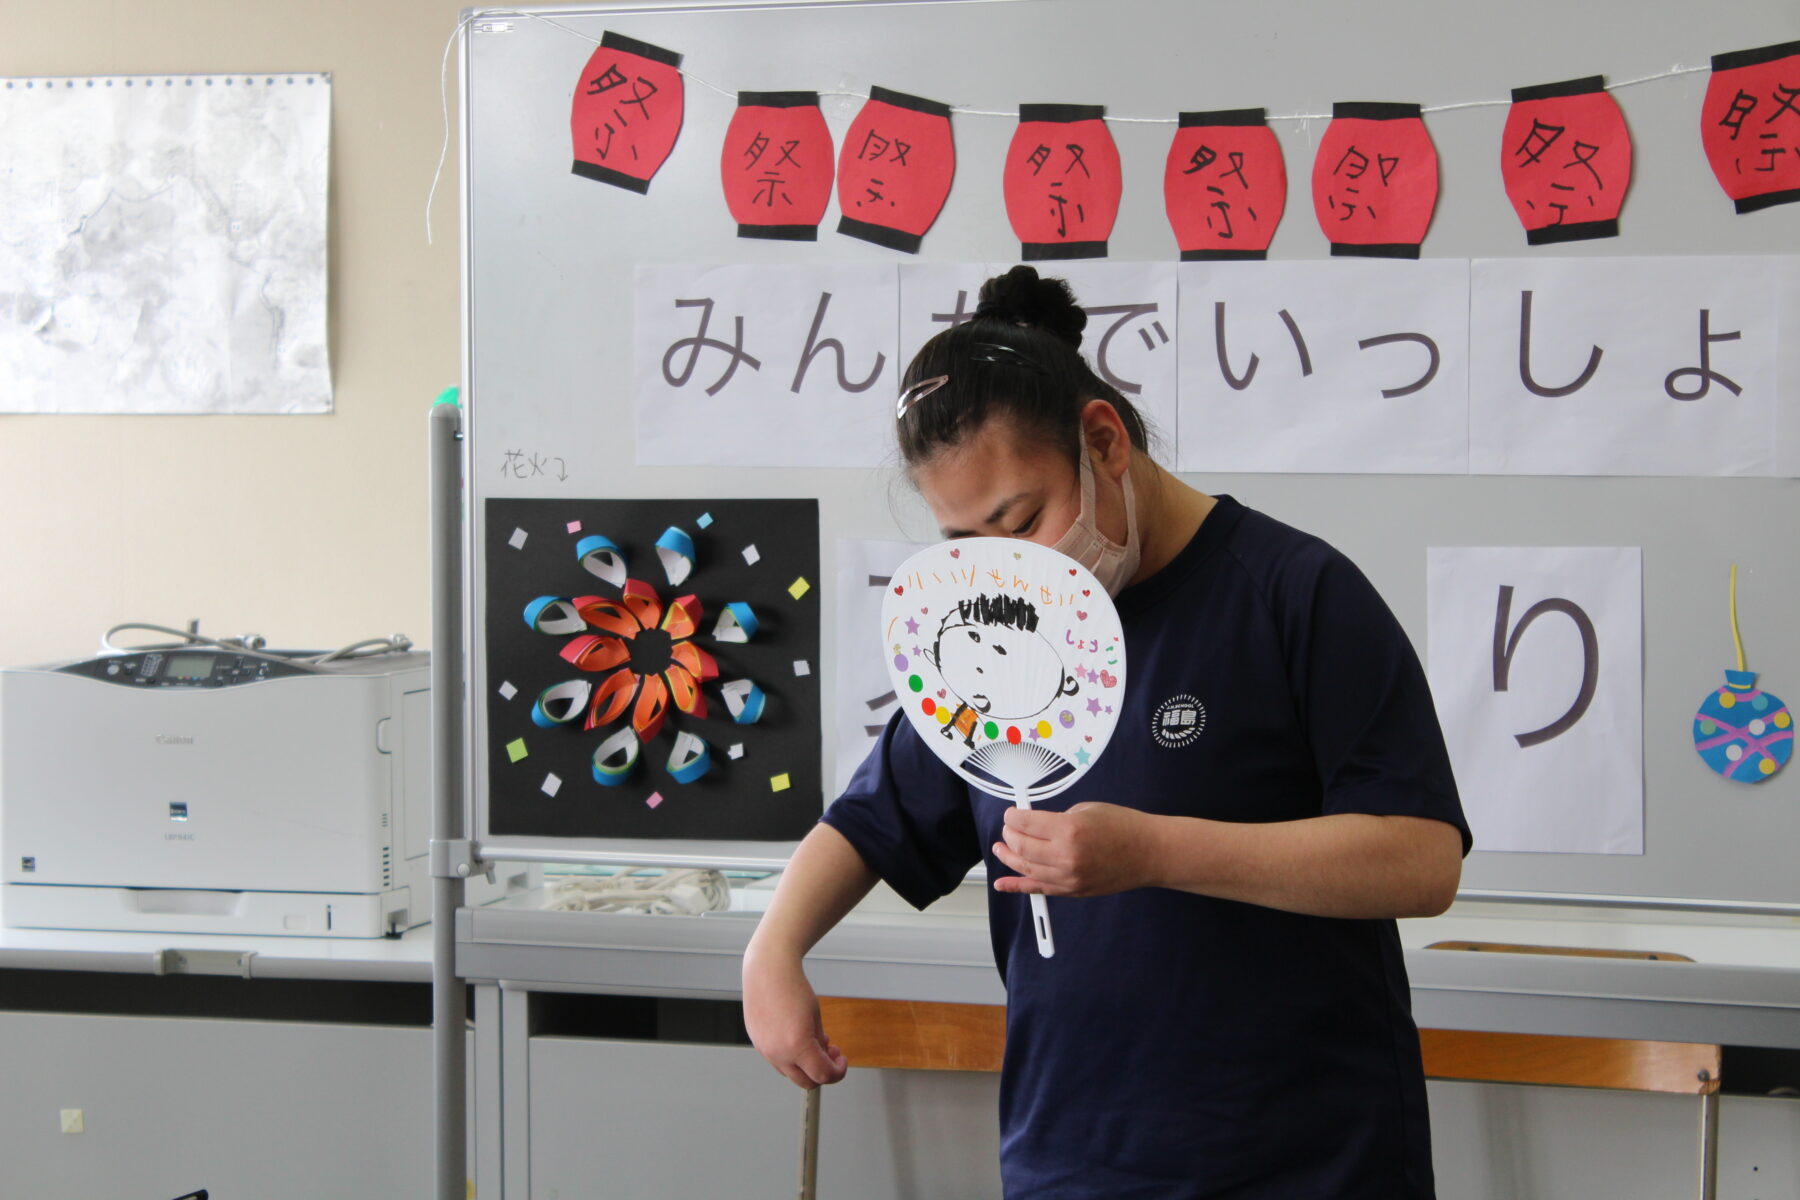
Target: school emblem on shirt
{"points": [[1178, 721]]}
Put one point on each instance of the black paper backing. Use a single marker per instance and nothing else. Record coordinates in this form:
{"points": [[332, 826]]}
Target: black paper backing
{"points": [[734, 800]]}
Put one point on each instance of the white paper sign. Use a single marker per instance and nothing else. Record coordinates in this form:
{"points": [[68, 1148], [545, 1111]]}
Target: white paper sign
{"points": [[1625, 366], [865, 695], [766, 366], [164, 244], [1536, 664], [1353, 366], [1130, 336]]}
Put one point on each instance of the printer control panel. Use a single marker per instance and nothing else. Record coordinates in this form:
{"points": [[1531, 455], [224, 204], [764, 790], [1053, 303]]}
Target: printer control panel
{"points": [[184, 668]]}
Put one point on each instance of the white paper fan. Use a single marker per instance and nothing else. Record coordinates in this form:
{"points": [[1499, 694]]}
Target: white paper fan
{"points": [[1009, 660]]}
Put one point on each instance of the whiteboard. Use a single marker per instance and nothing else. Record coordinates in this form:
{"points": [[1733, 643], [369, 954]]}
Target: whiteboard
{"points": [[549, 261]]}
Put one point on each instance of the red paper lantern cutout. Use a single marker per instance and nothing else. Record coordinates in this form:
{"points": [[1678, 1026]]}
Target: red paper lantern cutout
{"points": [[1750, 125], [777, 165], [1225, 185], [1375, 180], [894, 170], [1565, 155], [627, 112], [1062, 181]]}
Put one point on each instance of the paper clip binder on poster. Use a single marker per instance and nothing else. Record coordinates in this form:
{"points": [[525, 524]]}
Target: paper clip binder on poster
{"points": [[215, 785]]}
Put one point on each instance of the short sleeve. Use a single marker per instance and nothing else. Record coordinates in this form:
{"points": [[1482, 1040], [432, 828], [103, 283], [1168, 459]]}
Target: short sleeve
{"points": [[1365, 703], [908, 816]]}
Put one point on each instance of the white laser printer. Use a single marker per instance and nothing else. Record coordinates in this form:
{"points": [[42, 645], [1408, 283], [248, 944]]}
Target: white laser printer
{"points": [[198, 789]]}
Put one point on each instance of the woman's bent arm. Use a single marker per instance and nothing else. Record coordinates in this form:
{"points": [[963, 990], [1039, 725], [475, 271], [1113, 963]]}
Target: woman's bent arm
{"points": [[824, 880]]}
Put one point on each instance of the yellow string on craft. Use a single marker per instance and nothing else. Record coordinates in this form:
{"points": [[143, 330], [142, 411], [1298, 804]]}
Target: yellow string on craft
{"points": [[1736, 639]]}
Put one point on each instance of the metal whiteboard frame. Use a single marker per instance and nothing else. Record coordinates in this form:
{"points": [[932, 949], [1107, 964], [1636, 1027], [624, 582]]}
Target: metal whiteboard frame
{"points": [[1480, 491]]}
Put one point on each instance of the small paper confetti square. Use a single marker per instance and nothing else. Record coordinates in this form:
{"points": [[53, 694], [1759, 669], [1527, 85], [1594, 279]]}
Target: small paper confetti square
{"points": [[517, 540], [703, 520], [799, 587], [752, 555], [551, 783], [802, 667], [507, 690], [515, 749], [653, 799], [780, 783], [737, 750], [574, 526]]}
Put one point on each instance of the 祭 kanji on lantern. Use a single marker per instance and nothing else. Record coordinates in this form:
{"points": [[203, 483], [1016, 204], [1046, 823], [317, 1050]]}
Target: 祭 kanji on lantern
{"points": [[1224, 185], [1750, 125], [1062, 181], [627, 112], [1375, 180], [1565, 155], [894, 170], [777, 165]]}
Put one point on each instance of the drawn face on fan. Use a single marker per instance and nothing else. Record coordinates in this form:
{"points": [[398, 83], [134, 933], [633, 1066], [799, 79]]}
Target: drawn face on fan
{"points": [[990, 654]]}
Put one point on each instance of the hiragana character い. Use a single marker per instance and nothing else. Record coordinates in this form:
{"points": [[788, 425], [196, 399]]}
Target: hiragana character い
{"points": [[1238, 383]]}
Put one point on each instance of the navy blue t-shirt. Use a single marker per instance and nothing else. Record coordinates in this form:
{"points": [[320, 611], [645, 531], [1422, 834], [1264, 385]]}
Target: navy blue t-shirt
{"points": [[1180, 1046]]}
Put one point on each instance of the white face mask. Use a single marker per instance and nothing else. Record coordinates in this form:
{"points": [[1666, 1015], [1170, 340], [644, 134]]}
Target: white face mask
{"points": [[1112, 564]]}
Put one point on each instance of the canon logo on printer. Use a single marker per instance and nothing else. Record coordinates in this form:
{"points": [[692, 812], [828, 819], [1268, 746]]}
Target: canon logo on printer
{"points": [[174, 739]]}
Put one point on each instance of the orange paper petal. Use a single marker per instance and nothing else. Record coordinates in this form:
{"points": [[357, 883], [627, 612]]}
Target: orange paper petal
{"points": [[686, 691], [698, 662], [683, 618], [611, 699], [594, 653], [610, 615], [575, 647], [652, 707], [642, 602]]}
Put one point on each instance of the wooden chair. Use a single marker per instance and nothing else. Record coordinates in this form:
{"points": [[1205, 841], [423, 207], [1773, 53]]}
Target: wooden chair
{"points": [[1679, 1068], [922, 1036]]}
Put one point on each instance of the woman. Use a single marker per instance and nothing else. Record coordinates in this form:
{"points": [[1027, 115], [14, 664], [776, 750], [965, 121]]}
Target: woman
{"points": [[1227, 1012]]}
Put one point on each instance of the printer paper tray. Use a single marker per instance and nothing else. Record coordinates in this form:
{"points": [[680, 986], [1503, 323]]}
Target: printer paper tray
{"points": [[199, 910]]}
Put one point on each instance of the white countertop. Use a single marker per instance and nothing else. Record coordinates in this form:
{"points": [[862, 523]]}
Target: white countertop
{"points": [[403, 959]]}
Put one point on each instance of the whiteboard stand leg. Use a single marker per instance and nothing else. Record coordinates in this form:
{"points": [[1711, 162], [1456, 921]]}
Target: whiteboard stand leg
{"points": [[449, 998]]}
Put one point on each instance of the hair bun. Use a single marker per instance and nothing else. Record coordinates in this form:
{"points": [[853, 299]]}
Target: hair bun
{"points": [[1021, 297]]}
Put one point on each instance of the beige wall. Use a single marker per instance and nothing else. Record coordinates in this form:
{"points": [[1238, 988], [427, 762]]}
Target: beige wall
{"points": [[307, 529]]}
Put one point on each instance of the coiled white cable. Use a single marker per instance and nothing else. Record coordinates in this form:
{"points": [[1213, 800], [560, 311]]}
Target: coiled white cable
{"points": [[669, 893]]}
